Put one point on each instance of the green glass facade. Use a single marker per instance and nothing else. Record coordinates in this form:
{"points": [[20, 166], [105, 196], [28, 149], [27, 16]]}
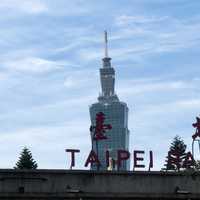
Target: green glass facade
{"points": [[116, 114]]}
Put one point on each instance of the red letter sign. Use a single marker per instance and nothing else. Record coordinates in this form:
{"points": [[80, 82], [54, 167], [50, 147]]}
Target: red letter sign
{"points": [[92, 158], [107, 158], [136, 158], [150, 160], [122, 155], [72, 151]]}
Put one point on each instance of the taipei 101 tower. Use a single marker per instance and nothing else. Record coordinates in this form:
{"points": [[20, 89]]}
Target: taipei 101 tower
{"points": [[109, 120]]}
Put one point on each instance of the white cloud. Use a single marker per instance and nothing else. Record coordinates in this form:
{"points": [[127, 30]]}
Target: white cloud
{"points": [[69, 8], [134, 87], [3, 76], [82, 78], [47, 143], [90, 54], [30, 6], [159, 33], [74, 82], [32, 64], [77, 37], [177, 107], [130, 19], [188, 104], [55, 112]]}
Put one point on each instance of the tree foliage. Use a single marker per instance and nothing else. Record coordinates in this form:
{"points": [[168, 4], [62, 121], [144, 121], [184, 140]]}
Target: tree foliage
{"points": [[176, 154], [197, 165], [26, 160]]}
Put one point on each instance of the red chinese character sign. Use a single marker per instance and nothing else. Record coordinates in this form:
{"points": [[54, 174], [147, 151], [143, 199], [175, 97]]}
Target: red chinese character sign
{"points": [[196, 136], [197, 126], [100, 128], [98, 132]]}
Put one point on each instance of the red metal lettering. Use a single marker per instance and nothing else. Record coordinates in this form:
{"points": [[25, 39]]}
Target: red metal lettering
{"points": [[150, 160], [136, 158], [197, 126], [107, 158], [72, 151], [122, 155], [92, 158]]}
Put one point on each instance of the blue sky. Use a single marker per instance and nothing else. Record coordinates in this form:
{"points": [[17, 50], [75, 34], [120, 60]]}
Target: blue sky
{"points": [[50, 55]]}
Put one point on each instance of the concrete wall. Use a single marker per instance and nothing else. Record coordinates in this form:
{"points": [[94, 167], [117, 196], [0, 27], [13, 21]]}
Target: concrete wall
{"points": [[62, 184]]}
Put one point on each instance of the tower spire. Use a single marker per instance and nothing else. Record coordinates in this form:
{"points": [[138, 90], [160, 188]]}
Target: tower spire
{"points": [[106, 43], [107, 74], [106, 59]]}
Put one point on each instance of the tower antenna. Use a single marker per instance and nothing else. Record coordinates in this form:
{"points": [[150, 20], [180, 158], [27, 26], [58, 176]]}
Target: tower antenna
{"points": [[106, 44]]}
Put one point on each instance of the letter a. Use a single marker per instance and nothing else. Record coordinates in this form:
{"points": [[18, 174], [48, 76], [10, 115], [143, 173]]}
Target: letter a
{"points": [[92, 158]]}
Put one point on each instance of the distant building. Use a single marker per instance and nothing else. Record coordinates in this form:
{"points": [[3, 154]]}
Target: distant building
{"points": [[116, 115]]}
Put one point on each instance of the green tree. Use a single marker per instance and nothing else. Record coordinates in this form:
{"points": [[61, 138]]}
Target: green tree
{"points": [[197, 165], [26, 160], [176, 154]]}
